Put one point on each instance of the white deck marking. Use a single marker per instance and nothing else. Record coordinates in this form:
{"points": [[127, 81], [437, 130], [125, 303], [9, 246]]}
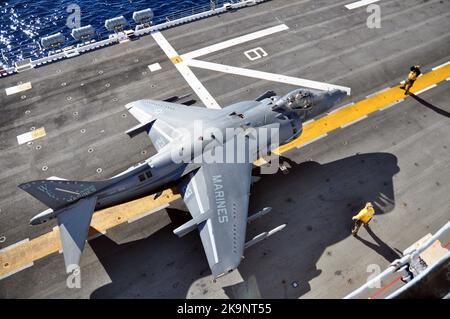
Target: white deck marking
{"points": [[354, 122], [359, 4], [154, 67], [308, 122], [234, 42], [164, 44], [14, 245], [197, 86], [258, 53], [187, 74], [18, 269], [265, 76], [440, 66], [312, 141], [339, 108], [391, 105], [18, 88], [32, 135], [426, 89], [378, 92]]}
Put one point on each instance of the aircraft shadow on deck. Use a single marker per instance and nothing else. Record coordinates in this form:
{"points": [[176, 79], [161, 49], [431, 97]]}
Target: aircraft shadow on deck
{"points": [[316, 201]]}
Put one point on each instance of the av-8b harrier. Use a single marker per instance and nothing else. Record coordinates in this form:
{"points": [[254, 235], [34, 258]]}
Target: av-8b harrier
{"points": [[211, 166]]}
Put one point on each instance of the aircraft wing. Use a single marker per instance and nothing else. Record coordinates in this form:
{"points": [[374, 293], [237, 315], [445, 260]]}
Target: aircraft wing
{"points": [[74, 226], [162, 120], [217, 196]]}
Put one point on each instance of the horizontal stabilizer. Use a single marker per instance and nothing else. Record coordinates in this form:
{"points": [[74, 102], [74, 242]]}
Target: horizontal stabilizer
{"points": [[58, 194], [74, 225], [143, 127]]}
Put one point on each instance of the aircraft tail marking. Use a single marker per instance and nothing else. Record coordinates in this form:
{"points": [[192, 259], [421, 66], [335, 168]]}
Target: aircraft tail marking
{"points": [[57, 194]]}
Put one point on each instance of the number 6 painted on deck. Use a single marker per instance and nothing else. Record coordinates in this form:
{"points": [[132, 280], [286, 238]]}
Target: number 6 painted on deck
{"points": [[256, 52]]}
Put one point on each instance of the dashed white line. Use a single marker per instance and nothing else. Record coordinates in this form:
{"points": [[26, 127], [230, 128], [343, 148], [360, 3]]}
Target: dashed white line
{"points": [[312, 141], [14, 245], [308, 122], [341, 108], [426, 89], [391, 105], [378, 92], [265, 76], [359, 4], [187, 74], [234, 42], [440, 66], [354, 122]]}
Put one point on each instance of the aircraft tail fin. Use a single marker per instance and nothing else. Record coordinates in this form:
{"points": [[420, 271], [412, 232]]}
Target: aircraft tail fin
{"points": [[74, 225], [58, 194]]}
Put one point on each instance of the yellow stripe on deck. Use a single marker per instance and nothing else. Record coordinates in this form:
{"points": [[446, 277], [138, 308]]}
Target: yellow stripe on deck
{"points": [[23, 254], [26, 253], [363, 108]]}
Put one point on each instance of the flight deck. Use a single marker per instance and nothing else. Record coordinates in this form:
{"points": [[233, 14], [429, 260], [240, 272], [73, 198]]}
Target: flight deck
{"points": [[68, 119]]}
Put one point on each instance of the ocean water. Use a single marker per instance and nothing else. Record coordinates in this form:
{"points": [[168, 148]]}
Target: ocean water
{"points": [[23, 23]]}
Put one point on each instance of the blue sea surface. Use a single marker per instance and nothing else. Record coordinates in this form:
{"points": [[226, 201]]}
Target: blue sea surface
{"points": [[23, 23]]}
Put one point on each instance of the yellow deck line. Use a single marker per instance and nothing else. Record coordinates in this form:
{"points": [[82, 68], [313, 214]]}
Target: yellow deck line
{"points": [[49, 243], [358, 110], [27, 252]]}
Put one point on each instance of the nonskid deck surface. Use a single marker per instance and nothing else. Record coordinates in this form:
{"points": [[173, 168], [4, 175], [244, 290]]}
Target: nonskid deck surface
{"points": [[398, 157]]}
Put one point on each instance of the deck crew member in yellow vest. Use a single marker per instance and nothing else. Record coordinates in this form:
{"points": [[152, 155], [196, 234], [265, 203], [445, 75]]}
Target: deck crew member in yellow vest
{"points": [[363, 218], [412, 77]]}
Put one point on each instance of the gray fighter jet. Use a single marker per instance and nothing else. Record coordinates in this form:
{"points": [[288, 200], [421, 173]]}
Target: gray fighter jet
{"points": [[211, 167]]}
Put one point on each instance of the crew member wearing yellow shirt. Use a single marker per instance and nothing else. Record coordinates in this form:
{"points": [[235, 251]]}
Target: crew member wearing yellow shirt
{"points": [[363, 218], [412, 77]]}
